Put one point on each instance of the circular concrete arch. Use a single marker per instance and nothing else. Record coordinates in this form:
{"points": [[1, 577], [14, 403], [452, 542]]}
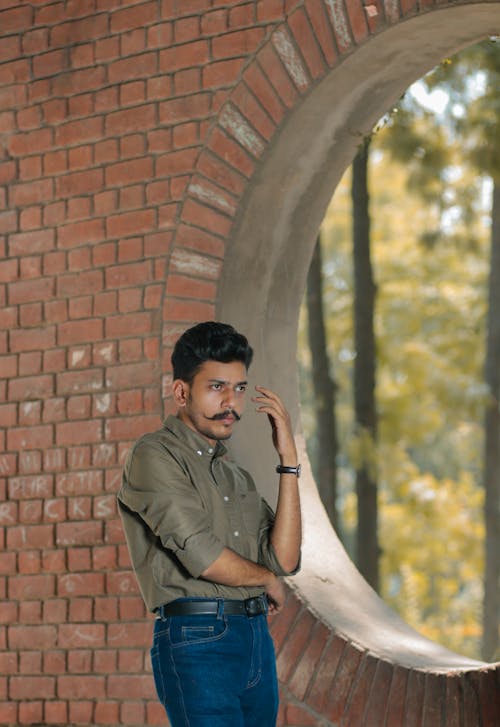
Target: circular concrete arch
{"points": [[264, 276]]}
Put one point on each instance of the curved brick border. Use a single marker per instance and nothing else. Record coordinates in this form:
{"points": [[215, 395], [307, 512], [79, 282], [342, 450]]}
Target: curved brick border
{"points": [[130, 134]]}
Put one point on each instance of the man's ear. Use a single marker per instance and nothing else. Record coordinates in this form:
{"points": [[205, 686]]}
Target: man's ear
{"points": [[180, 392]]}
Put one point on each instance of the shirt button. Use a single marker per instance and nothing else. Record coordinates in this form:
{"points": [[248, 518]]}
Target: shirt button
{"points": [[198, 451], [236, 533], [226, 498], [210, 450]]}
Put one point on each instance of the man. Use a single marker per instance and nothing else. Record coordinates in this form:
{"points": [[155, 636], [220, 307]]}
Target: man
{"points": [[206, 548]]}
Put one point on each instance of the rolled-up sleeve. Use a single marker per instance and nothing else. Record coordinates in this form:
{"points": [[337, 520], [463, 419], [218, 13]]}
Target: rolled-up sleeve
{"points": [[161, 493], [267, 555]]}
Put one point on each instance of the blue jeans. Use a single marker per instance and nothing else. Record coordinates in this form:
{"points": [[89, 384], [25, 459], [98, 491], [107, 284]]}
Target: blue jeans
{"points": [[215, 671]]}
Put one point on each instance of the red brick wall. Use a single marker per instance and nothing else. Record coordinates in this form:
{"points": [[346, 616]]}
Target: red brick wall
{"points": [[122, 169]]}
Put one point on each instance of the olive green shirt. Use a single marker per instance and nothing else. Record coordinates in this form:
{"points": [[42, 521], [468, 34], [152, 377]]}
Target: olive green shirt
{"points": [[181, 502]]}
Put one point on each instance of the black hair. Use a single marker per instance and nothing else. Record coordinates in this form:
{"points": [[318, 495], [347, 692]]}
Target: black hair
{"points": [[209, 341]]}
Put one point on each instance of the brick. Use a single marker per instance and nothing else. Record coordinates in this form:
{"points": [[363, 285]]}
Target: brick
{"points": [[253, 112], [34, 339], [307, 43], [32, 637], [30, 462], [128, 275], [184, 56], [131, 687], [80, 712], [16, 71], [31, 687], [183, 287], [408, 7], [107, 713], [32, 536], [29, 561], [80, 331], [294, 646], [26, 488], [356, 707], [176, 162], [357, 18], [77, 132], [435, 693], [298, 715], [241, 42], [264, 92], [131, 427], [276, 74], [131, 18], [308, 662], [31, 192], [55, 712], [81, 636], [83, 182], [68, 433], [321, 687], [131, 375], [31, 290], [29, 586], [187, 83], [129, 172], [8, 712], [79, 483], [15, 19], [78, 533], [195, 213], [125, 583], [185, 108], [74, 687], [414, 699], [137, 118], [340, 24], [8, 222], [131, 223], [223, 146], [48, 64], [189, 263], [85, 80], [80, 283], [80, 584], [222, 73], [94, 26], [29, 437], [10, 318], [137, 66], [486, 684]]}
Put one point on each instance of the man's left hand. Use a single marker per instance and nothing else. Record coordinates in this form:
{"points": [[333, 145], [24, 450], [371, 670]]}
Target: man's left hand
{"points": [[279, 418]]}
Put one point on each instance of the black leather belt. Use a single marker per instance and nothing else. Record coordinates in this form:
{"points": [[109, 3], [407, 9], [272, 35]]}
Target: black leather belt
{"points": [[206, 607]]}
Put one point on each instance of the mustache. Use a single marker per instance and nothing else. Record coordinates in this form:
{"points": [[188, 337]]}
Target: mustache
{"points": [[224, 414]]}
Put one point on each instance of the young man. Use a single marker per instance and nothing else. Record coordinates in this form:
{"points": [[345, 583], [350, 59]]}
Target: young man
{"points": [[207, 550]]}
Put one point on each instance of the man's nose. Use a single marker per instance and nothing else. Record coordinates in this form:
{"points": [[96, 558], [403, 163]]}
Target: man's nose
{"points": [[228, 400]]}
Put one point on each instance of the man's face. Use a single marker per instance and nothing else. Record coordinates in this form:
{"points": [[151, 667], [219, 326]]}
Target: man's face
{"points": [[214, 400]]}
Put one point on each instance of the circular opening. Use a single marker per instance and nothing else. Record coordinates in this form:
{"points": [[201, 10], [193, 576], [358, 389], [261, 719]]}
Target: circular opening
{"points": [[264, 278]]}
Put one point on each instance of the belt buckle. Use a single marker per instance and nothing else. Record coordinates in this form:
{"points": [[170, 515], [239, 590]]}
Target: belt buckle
{"points": [[254, 606]]}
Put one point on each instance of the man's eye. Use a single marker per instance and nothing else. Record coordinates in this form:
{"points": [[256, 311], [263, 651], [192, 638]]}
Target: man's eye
{"points": [[216, 387], [241, 388]]}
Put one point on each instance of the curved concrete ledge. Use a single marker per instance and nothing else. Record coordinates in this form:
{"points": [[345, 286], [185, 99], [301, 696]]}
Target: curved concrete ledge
{"points": [[358, 638]]}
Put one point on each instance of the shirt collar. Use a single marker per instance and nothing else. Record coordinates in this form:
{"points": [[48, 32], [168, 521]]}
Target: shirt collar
{"points": [[195, 441]]}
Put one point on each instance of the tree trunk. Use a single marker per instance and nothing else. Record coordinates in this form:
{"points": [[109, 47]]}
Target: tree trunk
{"points": [[367, 546], [324, 391], [491, 603]]}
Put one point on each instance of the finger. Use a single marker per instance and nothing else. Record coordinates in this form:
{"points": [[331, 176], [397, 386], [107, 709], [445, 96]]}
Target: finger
{"points": [[268, 394]]}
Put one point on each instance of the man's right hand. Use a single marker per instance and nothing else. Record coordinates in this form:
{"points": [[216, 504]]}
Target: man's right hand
{"points": [[275, 592]]}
